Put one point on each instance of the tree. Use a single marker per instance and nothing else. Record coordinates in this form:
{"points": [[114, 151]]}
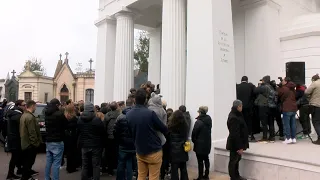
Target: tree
{"points": [[36, 65], [141, 52]]}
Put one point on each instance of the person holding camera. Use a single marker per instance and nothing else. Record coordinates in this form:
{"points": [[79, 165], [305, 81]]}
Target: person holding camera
{"points": [[303, 106], [266, 101], [287, 97]]}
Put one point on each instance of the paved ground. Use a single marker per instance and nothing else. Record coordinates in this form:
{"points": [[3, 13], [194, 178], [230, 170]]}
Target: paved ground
{"points": [[40, 164]]}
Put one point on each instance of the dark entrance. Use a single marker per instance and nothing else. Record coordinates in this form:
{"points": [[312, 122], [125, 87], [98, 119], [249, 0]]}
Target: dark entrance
{"points": [[64, 93], [89, 95]]}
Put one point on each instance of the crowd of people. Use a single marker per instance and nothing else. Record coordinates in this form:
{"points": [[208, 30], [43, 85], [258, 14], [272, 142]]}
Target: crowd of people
{"points": [[138, 137], [267, 102], [141, 137]]}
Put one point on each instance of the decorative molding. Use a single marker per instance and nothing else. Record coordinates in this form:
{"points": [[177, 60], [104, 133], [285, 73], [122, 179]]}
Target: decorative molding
{"points": [[299, 33], [107, 4], [129, 11], [249, 4], [106, 19]]}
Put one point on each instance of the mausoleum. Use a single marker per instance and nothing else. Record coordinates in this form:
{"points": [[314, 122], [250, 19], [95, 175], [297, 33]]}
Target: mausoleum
{"points": [[199, 49]]}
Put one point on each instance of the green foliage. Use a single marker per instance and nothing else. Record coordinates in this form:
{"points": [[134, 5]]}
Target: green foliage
{"points": [[141, 52], [36, 65]]}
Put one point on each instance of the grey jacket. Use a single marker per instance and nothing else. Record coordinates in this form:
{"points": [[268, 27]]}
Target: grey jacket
{"points": [[155, 104]]}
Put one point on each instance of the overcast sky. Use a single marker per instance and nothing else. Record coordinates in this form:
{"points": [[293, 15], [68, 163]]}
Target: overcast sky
{"points": [[44, 29]]}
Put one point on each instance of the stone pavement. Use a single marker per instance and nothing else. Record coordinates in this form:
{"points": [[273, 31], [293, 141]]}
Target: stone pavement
{"points": [[40, 166]]}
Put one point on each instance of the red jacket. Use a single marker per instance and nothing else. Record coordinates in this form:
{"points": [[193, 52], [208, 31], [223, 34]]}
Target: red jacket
{"points": [[287, 97]]}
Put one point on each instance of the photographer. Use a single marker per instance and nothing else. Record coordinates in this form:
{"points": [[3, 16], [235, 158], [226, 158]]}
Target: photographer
{"points": [[287, 96], [276, 112], [266, 100], [303, 106]]}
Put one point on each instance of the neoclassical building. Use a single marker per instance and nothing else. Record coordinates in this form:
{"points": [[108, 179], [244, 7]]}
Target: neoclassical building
{"points": [[63, 85], [199, 49]]}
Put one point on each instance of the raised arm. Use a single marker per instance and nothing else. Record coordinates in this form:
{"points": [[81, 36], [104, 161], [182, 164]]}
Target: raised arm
{"points": [[310, 89]]}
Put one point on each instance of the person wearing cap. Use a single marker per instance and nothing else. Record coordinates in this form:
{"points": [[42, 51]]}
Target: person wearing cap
{"points": [[201, 138], [313, 95], [245, 93], [237, 141], [56, 124]]}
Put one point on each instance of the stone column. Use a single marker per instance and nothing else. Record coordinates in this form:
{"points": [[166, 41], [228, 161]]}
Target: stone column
{"points": [[211, 65], [103, 91], [173, 59], [154, 61], [123, 69], [262, 40]]}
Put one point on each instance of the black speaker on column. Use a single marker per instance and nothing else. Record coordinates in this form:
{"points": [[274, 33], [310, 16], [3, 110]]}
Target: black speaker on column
{"points": [[296, 72]]}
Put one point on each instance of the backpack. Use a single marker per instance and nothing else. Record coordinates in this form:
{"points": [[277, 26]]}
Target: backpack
{"points": [[272, 97]]}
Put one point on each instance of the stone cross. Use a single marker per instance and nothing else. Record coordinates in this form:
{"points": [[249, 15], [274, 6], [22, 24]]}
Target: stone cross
{"points": [[90, 61], [60, 56], [28, 65], [13, 72], [67, 55]]}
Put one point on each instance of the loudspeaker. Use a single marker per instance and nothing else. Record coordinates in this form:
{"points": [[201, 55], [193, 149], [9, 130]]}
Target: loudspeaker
{"points": [[296, 72]]}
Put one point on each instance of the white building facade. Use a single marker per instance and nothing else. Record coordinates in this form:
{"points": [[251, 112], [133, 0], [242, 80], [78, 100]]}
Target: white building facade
{"points": [[200, 49]]}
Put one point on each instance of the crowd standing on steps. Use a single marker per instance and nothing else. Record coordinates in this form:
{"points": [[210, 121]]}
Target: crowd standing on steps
{"points": [[142, 137]]}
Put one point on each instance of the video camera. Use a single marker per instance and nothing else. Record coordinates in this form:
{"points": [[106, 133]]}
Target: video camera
{"points": [[280, 83]]}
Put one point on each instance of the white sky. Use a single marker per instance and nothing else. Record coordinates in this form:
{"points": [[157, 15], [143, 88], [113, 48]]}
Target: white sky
{"points": [[44, 29]]}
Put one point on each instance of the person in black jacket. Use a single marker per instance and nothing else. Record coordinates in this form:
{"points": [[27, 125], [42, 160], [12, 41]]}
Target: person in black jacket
{"points": [[127, 150], [56, 123], [303, 106], [178, 133], [13, 138], [237, 140], [111, 150], [91, 141], [245, 93], [201, 138], [71, 139]]}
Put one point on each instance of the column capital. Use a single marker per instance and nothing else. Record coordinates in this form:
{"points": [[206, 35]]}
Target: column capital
{"points": [[127, 12], [248, 4], [106, 19]]}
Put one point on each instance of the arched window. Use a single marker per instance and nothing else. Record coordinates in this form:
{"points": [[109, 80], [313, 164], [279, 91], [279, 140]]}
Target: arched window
{"points": [[89, 95]]}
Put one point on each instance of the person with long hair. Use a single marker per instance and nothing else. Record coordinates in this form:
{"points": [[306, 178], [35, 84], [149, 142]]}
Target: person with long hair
{"points": [[71, 139], [178, 133]]}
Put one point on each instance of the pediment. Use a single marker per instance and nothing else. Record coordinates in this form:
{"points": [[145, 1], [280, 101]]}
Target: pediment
{"points": [[64, 71], [27, 74]]}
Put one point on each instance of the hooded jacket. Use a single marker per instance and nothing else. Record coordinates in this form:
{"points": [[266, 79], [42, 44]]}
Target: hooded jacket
{"points": [[91, 129], [13, 133], [155, 104], [201, 134], [287, 97], [262, 92], [56, 124], [109, 121], [122, 132]]}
